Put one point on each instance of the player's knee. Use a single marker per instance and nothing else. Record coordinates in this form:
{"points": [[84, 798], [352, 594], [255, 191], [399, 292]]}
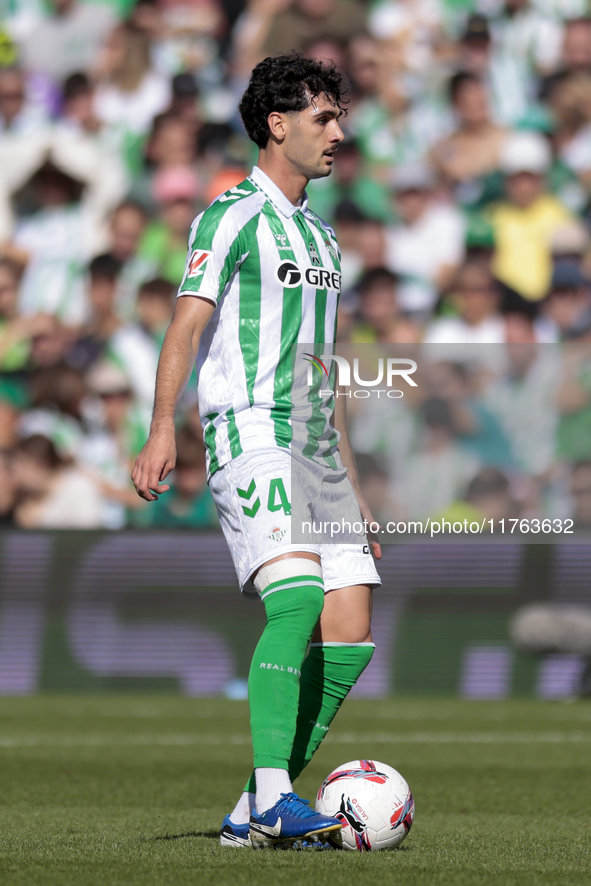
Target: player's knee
{"points": [[292, 586], [287, 573], [354, 633]]}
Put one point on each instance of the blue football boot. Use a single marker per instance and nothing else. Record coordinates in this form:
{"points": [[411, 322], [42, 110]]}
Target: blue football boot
{"points": [[291, 824], [236, 835]]}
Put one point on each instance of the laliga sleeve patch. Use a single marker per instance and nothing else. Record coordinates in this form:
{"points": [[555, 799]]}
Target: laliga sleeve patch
{"points": [[197, 262]]}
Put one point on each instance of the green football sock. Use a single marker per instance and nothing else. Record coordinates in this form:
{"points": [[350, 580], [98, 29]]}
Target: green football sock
{"points": [[328, 674], [293, 607]]}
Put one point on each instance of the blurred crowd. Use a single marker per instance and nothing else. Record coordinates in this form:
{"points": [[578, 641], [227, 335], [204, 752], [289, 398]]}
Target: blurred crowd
{"points": [[489, 433], [460, 198]]}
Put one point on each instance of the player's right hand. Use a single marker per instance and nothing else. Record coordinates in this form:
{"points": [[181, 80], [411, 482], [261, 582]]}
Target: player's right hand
{"points": [[153, 464]]}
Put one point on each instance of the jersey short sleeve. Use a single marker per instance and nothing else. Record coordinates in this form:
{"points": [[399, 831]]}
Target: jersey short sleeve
{"points": [[213, 254]]}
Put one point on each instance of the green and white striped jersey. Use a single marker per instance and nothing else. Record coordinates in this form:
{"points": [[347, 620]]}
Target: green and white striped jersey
{"points": [[273, 271]]}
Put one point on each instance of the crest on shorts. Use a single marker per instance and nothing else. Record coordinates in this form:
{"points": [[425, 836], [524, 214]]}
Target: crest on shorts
{"points": [[277, 534]]}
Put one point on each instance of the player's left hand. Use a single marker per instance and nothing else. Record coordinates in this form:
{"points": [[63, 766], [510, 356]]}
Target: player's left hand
{"points": [[371, 536]]}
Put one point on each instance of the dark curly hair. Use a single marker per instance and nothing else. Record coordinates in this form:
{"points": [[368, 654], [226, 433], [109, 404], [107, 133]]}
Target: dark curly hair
{"points": [[286, 83]]}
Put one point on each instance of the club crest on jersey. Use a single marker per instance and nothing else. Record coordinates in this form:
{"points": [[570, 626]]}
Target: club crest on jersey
{"points": [[314, 257], [197, 262], [333, 253]]}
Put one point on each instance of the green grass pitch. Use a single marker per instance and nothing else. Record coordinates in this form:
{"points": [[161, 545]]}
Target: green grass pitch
{"points": [[131, 789]]}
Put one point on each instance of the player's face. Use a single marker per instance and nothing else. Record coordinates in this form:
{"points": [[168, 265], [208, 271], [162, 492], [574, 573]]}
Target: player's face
{"points": [[313, 137]]}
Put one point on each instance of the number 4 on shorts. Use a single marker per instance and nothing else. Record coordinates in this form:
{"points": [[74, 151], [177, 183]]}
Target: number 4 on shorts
{"points": [[276, 488]]}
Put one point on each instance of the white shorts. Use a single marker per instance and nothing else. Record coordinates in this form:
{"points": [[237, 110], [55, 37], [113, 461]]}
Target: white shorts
{"points": [[252, 494]]}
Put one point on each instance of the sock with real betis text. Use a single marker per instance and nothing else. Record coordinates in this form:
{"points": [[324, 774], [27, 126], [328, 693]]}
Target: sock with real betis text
{"points": [[329, 673], [293, 607]]}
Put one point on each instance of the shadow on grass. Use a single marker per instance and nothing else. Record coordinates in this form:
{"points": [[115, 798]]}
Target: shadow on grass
{"points": [[210, 835], [215, 835]]}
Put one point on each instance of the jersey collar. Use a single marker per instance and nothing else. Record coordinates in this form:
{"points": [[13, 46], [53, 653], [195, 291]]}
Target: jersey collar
{"points": [[275, 195]]}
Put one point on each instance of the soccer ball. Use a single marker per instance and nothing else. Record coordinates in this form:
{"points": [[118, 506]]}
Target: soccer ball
{"points": [[372, 800]]}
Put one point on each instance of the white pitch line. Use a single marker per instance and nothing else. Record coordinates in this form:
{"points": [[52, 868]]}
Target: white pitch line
{"points": [[462, 737], [395, 738]]}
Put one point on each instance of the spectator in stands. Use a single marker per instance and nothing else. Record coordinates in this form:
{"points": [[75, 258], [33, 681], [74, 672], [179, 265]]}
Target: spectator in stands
{"points": [[57, 407], [73, 192], [349, 182], [523, 400], [164, 242], [135, 350], [15, 331], [470, 155], [126, 229], [14, 399], [50, 342], [348, 221], [427, 245], [576, 45], [12, 99], [118, 435], [381, 320], [521, 318], [68, 39], [525, 222], [103, 272], [281, 25], [155, 304], [17, 115], [509, 53], [438, 472], [476, 427], [78, 103], [413, 30], [170, 144], [580, 492], [81, 129], [52, 493], [574, 403], [372, 244], [51, 243], [475, 298], [488, 497], [569, 101], [130, 93], [575, 55], [185, 101], [568, 303], [7, 490]]}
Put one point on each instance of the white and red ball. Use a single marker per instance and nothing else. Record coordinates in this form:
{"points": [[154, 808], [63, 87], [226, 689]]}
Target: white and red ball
{"points": [[373, 801]]}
